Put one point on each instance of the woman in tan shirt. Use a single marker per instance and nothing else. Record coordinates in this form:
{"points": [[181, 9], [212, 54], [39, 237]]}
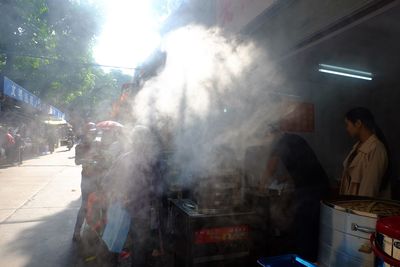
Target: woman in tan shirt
{"points": [[367, 167]]}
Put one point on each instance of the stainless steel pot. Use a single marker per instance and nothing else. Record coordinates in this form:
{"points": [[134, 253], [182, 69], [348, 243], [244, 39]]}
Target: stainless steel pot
{"points": [[345, 232], [218, 192]]}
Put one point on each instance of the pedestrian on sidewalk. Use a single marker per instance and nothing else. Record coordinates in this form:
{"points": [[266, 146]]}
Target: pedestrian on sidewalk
{"points": [[85, 153], [51, 140], [19, 144], [10, 146], [3, 142], [133, 179]]}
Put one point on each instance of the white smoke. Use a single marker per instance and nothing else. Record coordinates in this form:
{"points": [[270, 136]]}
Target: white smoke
{"points": [[209, 104], [213, 91]]}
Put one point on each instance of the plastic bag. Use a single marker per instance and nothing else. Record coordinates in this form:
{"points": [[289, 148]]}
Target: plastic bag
{"points": [[117, 228]]}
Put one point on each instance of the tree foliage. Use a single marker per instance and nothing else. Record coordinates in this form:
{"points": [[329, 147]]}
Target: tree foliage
{"points": [[97, 102], [46, 47]]}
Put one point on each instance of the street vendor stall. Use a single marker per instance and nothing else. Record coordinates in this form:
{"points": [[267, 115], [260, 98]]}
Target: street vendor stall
{"points": [[60, 128]]}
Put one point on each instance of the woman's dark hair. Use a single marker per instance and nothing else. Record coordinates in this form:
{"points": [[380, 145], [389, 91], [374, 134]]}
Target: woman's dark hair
{"points": [[365, 116]]}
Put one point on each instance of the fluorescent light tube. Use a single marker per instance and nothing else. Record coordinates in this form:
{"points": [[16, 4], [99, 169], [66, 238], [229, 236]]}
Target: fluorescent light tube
{"points": [[345, 70], [346, 74]]}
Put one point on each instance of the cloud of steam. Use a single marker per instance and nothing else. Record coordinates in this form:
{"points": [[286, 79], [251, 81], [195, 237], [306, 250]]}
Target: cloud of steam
{"points": [[214, 91], [209, 104]]}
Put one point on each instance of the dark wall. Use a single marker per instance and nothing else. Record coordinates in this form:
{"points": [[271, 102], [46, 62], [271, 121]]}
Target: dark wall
{"points": [[332, 98], [384, 103]]}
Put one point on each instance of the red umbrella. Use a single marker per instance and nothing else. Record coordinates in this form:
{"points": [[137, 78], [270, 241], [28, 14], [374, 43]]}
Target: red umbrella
{"points": [[109, 125]]}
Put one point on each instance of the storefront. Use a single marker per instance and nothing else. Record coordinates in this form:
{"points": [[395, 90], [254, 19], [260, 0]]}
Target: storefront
{"points": [[18, 104], [25, 113], [328, 57]]}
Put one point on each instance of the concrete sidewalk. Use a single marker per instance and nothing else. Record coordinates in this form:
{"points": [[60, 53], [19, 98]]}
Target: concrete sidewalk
{"points": [[38, 205]]}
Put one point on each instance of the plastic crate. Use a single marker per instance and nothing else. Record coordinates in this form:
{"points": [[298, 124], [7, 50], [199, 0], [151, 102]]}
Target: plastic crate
{"points": [[290, 260]]}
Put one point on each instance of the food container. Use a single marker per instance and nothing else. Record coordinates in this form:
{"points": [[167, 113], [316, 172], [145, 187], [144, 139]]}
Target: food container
{"points": [[218, 193], [345, 229], [386, 241]]}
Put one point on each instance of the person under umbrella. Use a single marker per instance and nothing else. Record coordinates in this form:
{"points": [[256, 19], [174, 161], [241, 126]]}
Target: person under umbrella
{"points": [[85, 153]]}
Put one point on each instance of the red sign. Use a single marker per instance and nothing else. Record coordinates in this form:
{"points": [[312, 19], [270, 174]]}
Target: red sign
{"points": [[222, 234]]}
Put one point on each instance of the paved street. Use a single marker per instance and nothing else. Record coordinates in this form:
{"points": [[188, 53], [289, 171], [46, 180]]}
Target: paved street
{"points": [[38, 205]]}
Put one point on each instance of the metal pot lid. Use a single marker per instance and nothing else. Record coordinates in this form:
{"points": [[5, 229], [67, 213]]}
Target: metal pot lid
{"points": [[389, 226], [368, 207]]}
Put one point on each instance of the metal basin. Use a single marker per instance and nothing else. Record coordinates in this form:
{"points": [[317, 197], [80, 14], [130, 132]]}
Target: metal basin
{"points": [[345, 233]]}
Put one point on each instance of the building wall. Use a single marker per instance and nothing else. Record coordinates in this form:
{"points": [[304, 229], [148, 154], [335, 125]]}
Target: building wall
{"points": [[384, 103], [235, 15], [201, 12], [280, 27], [332, 99], [287, 23]]}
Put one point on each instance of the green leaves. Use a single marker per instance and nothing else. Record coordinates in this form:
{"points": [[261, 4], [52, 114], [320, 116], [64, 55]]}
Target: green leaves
{"points": [[96, 98], [46, 46]]}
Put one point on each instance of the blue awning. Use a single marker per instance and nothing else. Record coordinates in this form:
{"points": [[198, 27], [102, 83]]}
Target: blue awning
{"points": [[17, 92], [56, 113]]}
